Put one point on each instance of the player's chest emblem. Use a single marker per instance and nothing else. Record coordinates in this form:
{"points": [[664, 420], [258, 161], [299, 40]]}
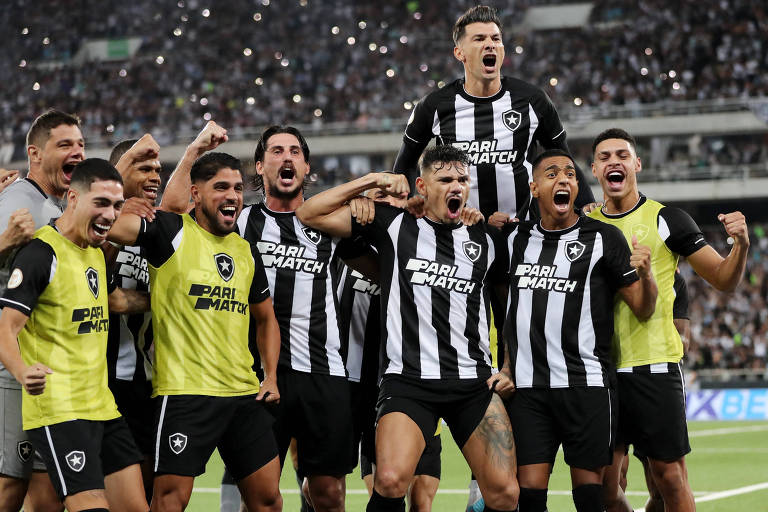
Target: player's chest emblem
{"points": [[640, 231], [312, 235], [511, 119], [573, 250], [24, 450], [178, 442], [225, 265], [75, 460], [92, 277], [472, 250]]}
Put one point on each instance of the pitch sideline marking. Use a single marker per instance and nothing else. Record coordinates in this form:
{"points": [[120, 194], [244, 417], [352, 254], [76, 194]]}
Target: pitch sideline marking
{"points": [[215, 490], [726, 494], [727, 430]]}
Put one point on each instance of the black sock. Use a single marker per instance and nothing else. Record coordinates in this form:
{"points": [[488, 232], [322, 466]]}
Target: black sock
{"points": [[532, 500], [588, 498], [96, 510], [379, 503]]}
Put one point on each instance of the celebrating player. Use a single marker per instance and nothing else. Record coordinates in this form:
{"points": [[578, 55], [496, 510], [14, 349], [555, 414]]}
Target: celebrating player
{"points": [[56, 305], [648, 352], [496, 119], [434, 326], [564, 273], [204, 279]]}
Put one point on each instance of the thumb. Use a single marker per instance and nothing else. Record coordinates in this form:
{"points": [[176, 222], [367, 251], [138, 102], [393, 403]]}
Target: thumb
{"points": [[634, 241], [46, 369], [721, 217]]}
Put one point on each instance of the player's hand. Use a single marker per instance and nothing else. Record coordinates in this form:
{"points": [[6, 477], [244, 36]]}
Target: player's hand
{"points": [[736, 226], [211, 137], [268, 392], [363, 209], [499, 219], [144, 208], [393, 184], [7, 177], [501, 384], [591, 206], [640, 258], [21, 228], [33, 378], [415, 206], [471, 216]]}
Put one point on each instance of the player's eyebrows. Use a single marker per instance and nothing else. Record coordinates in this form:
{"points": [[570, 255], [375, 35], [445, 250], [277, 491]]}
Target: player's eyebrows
{"points": [[292, 147], [69, 141], [607, 152], [555, 167]]}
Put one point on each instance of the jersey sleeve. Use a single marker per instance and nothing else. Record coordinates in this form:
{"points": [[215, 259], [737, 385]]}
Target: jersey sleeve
{"points": [[679, 231], [417, 135], [259, 285], [616, 253], [351, 248], [156, 237], [375, 232], [32, 270], [499, 269], [680, 306]]}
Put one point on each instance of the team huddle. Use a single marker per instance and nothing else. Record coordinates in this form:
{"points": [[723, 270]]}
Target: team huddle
{"points": [[138, 337]]}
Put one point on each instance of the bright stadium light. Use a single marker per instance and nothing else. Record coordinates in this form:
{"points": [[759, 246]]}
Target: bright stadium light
{"points": [[23, 63], [177, 31], [257, 17], [160, 59], [577, 102], [553, 81], [372, 46], [335, 30], [123, 73], [350, 40], [250, 100], [318, 112], [390, 72], [207, 116], [518, 50], [296, 98], [423, 68], [247, 52], [36, 86], [403, 39], [206, 13], [259, 81]]}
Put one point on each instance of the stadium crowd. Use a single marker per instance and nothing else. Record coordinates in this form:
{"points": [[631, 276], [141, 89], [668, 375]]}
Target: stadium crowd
{"points": [[362, 66]]}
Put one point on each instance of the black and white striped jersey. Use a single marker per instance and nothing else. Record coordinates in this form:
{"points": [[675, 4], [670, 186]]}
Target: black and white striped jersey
{"points": [[297, 260], [498, 133], [560, 309], [359, 322], [435, 317], [129, 346]]}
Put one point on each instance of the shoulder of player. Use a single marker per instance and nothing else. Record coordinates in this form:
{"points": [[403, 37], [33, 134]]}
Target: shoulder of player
{"points": [[20, 194], [523, 89], [36, 248], [446, 93]]}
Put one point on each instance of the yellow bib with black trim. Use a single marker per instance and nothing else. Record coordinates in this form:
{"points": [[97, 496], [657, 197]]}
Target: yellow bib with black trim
{"points": [[656, 340], [67, 331], [200, 316]]}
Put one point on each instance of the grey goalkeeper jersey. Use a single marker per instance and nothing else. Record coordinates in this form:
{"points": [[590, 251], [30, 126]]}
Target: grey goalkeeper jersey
{"points": [[23, 193]]}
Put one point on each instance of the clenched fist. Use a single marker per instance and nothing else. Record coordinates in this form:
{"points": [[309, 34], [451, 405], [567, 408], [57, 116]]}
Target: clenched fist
{"points": [[736, 226], [21, 228], [641, 259]]}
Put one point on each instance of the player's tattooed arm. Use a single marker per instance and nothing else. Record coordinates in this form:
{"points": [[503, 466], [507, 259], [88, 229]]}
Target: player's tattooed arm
{"points": [[329, 211], [124, 301], [268, 342], [32, 377]]}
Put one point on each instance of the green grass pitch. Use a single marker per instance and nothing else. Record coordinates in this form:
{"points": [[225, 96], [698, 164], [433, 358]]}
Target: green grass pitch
{"points": [[726, 456]]}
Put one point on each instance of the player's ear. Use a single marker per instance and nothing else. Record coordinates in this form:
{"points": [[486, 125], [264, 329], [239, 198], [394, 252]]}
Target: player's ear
{"points": [[260, 168], [459, 54], [195, 192], [639, 165], [33, 153], [534, 189], [594, 170], [421, 186]]}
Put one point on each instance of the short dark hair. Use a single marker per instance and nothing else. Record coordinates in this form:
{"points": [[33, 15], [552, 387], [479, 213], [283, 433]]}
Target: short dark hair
{"points": [[90, 170], [549, 153], [41, 127], [476, 14], [119, 150], [444, 153], [209, 164], [261, 148], [614, 133]]}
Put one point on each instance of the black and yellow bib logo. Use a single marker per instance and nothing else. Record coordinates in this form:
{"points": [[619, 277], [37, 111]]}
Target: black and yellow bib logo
{"points": [[90, 320], [225, 265], [92, 276]]}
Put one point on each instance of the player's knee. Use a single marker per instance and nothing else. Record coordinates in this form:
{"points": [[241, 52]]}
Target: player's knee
{"points": [[501, 495], [49, 505], [169, 500], [13, 497], [668, 476], [390, 482], [420, 502], [654, 504], [328, 498]]}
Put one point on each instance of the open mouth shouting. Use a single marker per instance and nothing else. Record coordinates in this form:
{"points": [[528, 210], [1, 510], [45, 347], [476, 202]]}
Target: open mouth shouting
{"points": [[562, 200], [454, 205], [489, 63], [286, 175], [615, 179], [229, 212], [67, 169], [100, 230], [150, 192]]}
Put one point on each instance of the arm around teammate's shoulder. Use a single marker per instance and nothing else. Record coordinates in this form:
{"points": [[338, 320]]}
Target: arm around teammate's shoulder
{"points": [[725, 274], [329, 212]]}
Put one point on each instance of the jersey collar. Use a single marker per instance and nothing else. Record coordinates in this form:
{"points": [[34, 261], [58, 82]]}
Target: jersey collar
{"points": [[640, 202]]}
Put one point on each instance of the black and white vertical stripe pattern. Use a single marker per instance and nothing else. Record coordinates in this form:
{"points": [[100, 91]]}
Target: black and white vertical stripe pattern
{"points": [[436, 320], [359, 322], [297, 262], [559, 312]]}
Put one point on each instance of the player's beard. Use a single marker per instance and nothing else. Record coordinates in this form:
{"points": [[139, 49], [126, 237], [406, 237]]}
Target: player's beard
{"points": [[274, 192], [215, 224]]}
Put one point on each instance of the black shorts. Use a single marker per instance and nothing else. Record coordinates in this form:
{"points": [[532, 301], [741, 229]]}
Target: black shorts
{"points": [[583, 420], [136, 405], [79, 453], [189, 427], [429, 463], [316, 411], [364, 398], [652, 412], [461, 403]]}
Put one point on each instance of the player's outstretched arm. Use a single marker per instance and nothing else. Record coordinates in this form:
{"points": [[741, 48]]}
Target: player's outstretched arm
{"points": [[724, 273], [19, 231], [125, 230], [31, 377], [641, 295], [125, 301], [328, 211], [177, 191], [268, 342]]}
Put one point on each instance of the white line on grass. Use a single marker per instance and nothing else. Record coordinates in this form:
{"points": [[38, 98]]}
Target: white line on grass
{"points": [[215, 490], [726, 494], [727, 430]]}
